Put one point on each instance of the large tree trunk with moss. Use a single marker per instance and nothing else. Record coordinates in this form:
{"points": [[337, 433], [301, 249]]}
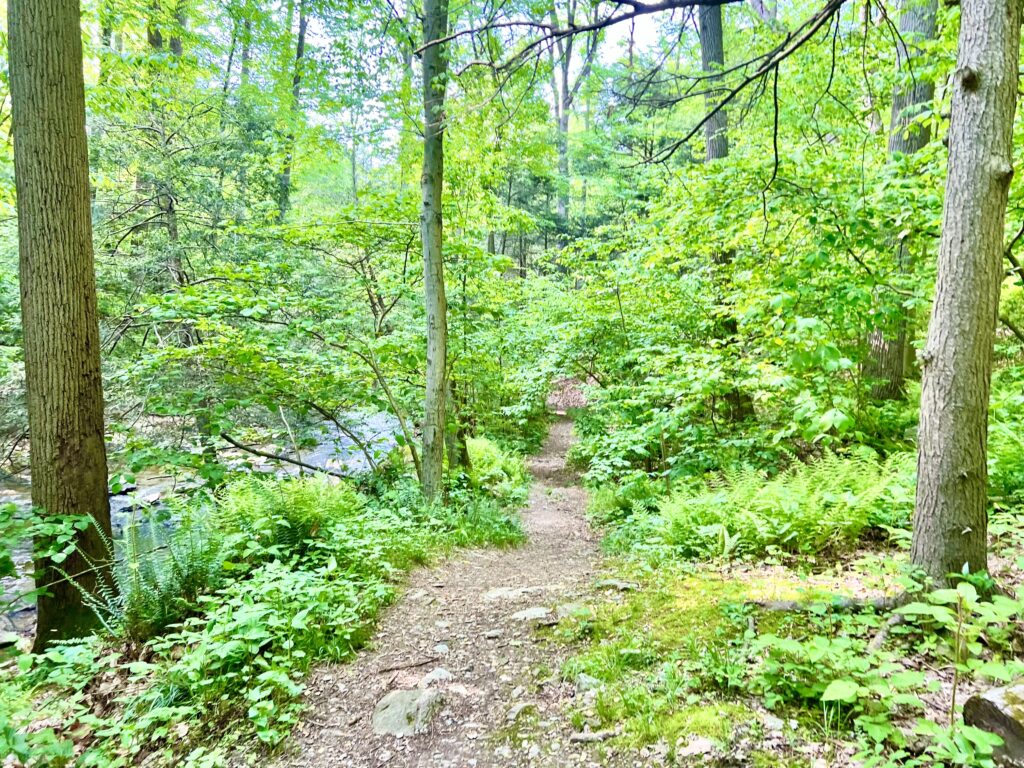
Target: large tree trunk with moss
{"points": [[58, 301], [950, 517], [888, 353], [435, 70]]}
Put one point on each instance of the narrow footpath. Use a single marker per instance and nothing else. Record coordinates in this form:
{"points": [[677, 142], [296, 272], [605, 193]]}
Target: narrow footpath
{"points": [[458, 661]]}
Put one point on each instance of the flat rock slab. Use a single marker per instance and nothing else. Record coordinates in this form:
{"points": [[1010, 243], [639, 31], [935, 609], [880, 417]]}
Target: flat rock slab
{"points": [[406, 712], [536, 613]]}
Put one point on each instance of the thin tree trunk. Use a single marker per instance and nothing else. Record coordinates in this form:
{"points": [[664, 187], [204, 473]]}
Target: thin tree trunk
{"points": [[246, 52], [887, 347], [58, 302], [565, 88], [435, 70], [285, 181], [563, 146], [950, 516]]}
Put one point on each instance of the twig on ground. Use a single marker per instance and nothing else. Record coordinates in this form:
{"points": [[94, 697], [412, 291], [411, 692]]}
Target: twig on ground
{"points": [[837, 603], [894, 620], [410, 665]]}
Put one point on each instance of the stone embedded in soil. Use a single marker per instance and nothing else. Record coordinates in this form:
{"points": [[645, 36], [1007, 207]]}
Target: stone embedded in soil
{"points": [[492, 634], [536, 613], [406, 712], [519, 709], [435, 676], [507, 593], [8, 639], [1000, 711], [621, 586], [695, 747], [585, 682]]}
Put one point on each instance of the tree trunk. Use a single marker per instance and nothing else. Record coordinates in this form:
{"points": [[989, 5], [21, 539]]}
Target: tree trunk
{"points": [[58, 301], [950, 520], [887, 347], [285, 180], [766, 11], [712, 59], [435, 71], [243, 75], [563, 147]]}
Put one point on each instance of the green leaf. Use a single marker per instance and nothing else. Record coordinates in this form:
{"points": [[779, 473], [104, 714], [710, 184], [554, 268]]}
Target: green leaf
{"points": [[841, 690]]}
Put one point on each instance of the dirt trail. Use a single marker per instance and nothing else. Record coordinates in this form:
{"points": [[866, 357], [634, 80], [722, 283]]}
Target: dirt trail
{"points": [[503, 704]]}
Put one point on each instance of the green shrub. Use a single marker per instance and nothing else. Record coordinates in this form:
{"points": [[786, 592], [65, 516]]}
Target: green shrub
{"points": [[474, 521], [302, 568], [498, 472], [824, 505], [264, 518], [613, 504]]}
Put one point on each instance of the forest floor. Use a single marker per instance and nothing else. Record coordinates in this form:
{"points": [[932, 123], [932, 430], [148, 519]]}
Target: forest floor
{"points": [[464, 641]]}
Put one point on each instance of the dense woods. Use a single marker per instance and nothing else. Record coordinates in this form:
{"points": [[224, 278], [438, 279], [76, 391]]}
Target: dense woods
{"points": [[309, 307]]}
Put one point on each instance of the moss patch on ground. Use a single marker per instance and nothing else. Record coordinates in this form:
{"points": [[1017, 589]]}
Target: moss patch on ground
{"points": [[640, 644]]}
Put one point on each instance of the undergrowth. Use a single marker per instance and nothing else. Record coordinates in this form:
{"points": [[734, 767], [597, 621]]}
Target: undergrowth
{"points": [[825, 505], [208, 639], [688, 657]]}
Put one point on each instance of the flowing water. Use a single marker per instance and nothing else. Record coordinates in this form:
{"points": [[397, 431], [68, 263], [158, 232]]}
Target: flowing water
{"points": [[145, 504]]}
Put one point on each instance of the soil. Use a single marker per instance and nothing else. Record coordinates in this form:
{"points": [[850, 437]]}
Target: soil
{"points": [[505, 701]]}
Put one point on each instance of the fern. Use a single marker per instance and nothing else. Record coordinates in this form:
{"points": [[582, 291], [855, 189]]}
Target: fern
{"points": [[155, 583], [824, 505], [280, 517]]}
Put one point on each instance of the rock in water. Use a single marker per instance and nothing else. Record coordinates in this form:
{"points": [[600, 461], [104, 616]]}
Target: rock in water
{"points": [[405, 712], [1000, 711]]}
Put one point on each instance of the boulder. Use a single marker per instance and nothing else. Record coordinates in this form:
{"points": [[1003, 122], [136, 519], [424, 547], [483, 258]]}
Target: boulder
{"points": [[406, 712], [1000, 711]]}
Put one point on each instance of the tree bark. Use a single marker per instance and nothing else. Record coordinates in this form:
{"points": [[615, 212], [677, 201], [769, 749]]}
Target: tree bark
{"points": [[435, 71], [888, 347], [712, 59], [285, 180], [58, 302], [950, 516], [243, 75]]}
